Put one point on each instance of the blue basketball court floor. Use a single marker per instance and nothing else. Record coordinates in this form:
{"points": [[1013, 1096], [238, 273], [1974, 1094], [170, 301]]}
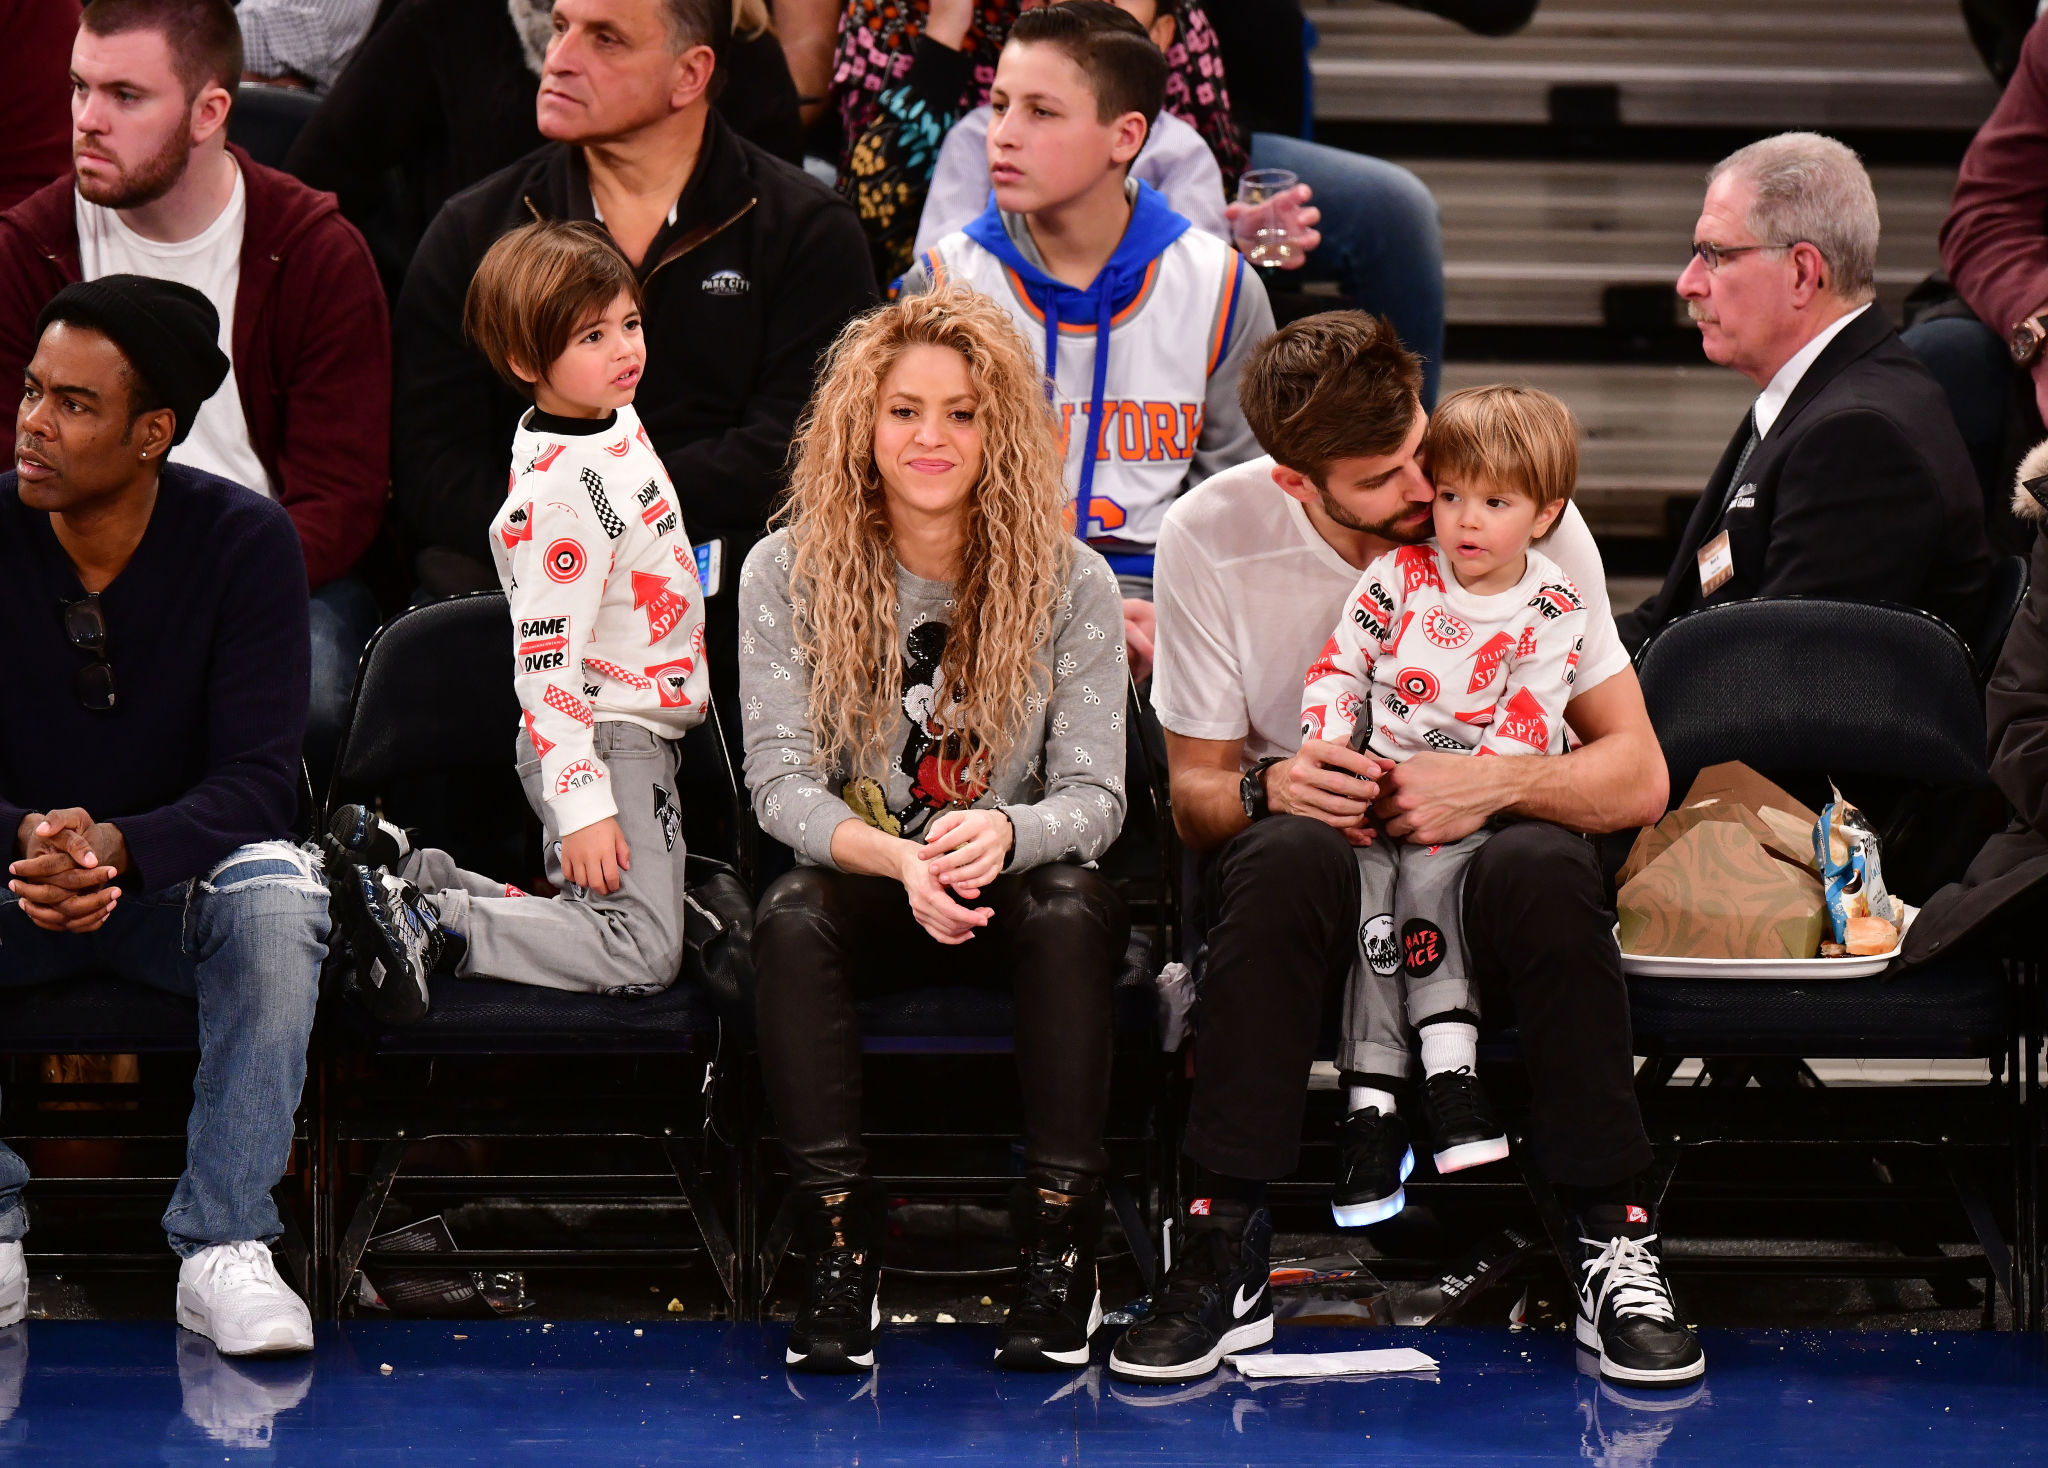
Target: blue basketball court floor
{"points": [[516, 1393]]}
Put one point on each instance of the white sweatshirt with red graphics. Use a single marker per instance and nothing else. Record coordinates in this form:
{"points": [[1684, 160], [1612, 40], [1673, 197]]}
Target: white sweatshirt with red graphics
{"points": [[607, 611], [1433, 666]]}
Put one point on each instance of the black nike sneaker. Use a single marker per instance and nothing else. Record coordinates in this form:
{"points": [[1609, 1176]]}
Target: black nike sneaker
{"points": [[1059, 1304], [393, 930], [1213, 1301], [1462, 1130], [835, 1329], [1626, 1313], [1373, 1160]]}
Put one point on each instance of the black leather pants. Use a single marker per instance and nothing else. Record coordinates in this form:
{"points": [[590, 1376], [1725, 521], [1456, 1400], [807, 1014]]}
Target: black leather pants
{"points": [[824, 939]]}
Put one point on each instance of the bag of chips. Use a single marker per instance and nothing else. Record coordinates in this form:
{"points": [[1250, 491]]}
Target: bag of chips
{"points": [[1865, 917]]}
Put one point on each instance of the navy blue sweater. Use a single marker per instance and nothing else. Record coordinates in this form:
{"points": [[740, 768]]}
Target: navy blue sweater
{"points": [[206, 632]]}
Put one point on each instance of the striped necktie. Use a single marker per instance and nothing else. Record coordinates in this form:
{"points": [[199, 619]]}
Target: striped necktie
{"points": [[1741, 461]]}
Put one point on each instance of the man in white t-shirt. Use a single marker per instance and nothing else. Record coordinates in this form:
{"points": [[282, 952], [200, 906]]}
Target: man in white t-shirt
{"points": [[1255, 566], [156, 190]]}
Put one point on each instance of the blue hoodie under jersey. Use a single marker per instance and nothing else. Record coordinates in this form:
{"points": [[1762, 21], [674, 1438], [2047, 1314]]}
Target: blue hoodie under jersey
{"points": [[1153, 227]]}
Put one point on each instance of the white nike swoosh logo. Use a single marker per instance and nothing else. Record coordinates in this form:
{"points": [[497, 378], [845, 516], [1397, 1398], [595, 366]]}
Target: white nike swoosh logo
{"points": [[1241, 1304]]}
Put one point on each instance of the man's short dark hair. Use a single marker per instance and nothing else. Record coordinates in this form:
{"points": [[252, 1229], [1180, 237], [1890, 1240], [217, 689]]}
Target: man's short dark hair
{"points": [[1125, 70], [204, 36], [1334, 386], [697, 23]]}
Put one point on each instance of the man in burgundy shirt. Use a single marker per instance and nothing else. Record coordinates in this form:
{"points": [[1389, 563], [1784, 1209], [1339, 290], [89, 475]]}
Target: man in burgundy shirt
{"points": [[1994, 245], [156, 190]]}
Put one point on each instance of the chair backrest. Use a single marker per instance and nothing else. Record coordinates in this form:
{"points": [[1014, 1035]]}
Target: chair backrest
{"points": [[434, 707], [2002, 598], [1802, 684], [266, 120]]}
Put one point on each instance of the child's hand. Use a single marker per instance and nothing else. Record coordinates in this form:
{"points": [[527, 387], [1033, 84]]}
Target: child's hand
{"points": [[593, 857]]}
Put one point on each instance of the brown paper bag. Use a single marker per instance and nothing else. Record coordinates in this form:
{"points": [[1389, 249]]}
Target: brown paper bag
{"points": [[1737, 782], [1717, 893]]}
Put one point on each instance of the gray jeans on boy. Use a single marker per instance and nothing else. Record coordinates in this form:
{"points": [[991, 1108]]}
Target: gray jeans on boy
{"points": [[631, 940], [1411, 963]]}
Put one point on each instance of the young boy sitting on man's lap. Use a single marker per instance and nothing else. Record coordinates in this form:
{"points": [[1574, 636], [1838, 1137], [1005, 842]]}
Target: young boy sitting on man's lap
{"points": [[1467, 643], [608, 661]]}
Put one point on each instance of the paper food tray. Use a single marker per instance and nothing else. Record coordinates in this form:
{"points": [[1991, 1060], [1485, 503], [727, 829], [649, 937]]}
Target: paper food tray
{"points": [[1660, 966]]}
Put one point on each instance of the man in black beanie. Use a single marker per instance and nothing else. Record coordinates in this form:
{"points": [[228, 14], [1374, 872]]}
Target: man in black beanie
{"points": [[153, 618]]}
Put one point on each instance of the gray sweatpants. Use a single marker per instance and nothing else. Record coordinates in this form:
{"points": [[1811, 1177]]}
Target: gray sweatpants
{"points": [[1411, 961], [631, 940]]}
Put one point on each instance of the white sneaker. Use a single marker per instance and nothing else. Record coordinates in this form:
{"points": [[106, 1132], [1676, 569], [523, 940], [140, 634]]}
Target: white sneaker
{"points": [[13, 1285], [233, 1295], [13, 1368]]}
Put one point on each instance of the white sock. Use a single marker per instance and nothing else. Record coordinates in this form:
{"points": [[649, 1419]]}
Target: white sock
{"points": [[1447, 1045], [1360, 1097]]}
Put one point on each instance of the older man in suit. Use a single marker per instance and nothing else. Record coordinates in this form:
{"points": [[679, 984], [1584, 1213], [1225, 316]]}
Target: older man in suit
{"points": [[1847, 478]]}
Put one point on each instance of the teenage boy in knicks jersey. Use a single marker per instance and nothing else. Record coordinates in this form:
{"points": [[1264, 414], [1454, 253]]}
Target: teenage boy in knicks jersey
{"points": [[1141, 322]]}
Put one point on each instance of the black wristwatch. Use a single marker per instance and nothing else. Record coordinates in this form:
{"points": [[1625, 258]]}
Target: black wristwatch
{"points": [[1251, 790], [2025, 344]]}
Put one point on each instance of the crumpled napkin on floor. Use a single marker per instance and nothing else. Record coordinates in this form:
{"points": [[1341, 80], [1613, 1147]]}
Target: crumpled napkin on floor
{"points": [[1333, 1363]]}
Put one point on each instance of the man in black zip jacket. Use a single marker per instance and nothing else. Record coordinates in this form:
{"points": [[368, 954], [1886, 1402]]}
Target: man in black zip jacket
{"points": [[748, 265]]}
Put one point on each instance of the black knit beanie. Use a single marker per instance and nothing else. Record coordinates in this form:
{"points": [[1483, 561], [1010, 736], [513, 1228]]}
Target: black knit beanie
{"points": [[169, 333]]}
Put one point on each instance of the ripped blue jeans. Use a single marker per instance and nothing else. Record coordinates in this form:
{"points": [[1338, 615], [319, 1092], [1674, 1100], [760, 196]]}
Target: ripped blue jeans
{"points": [[246, 941]]}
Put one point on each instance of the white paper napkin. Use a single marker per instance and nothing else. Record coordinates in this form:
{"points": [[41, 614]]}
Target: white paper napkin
{"points": [[1333, 1363]]}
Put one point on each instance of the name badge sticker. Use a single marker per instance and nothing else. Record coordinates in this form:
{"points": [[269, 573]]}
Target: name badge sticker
{"points": [[1717, 564]]}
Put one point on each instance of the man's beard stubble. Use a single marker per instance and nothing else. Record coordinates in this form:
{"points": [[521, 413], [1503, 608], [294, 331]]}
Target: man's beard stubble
{"points": [[148, 181], [1393, 529]]}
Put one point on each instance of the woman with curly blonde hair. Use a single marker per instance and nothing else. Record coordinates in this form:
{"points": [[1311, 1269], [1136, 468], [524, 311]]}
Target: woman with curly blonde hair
{"points": [[932, 678]]}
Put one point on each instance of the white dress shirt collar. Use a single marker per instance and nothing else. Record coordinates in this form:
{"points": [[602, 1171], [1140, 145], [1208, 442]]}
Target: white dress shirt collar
{"points": [[1771, 401]]}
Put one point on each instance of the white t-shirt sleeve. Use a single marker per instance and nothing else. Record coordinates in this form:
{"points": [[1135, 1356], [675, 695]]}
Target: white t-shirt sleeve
{"points": [[1571, 546], [1197, 683]]}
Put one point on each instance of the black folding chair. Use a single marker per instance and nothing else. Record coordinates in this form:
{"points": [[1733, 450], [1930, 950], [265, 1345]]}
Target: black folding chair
{"points": [[1885, 701], [602, 1080], [266, 120], [2002, 598], [965, 1025]]}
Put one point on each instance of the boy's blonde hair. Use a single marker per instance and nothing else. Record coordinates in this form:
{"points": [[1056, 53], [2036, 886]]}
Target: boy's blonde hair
{"points": [[535, 287], [1515, 438]]}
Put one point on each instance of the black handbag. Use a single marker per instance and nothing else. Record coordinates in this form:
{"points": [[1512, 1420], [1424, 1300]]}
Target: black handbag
{"points": [[718, 935]]}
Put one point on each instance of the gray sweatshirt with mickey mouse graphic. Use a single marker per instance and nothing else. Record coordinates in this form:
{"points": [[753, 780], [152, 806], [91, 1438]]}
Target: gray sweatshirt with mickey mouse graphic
{"points": [[1062, 786]]}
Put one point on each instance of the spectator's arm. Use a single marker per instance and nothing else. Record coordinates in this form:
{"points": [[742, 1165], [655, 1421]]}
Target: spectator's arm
{"points": [[959, 187], [729, 481], [2016, 704], [334, 362], [545, 605], [809, 30], [27, 281], [1227, 438], [450, 419], [1083, 806], [793, 800], [381, 111], [1851, 468], [889, 167], [302, 38], [1994, 242], [258, 673]]}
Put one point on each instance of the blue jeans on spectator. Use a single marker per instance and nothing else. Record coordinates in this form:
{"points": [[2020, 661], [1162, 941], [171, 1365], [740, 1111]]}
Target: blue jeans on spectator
{"points": [[343, 615], [246, 940], [1382, 240]]}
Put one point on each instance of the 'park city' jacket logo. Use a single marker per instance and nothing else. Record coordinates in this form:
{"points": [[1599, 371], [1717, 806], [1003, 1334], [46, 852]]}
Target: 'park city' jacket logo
{"points": [[725, 283]]}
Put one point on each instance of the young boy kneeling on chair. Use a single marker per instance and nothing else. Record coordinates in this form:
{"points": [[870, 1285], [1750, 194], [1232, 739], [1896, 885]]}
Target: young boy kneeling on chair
{"points": [[607, 657]]}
